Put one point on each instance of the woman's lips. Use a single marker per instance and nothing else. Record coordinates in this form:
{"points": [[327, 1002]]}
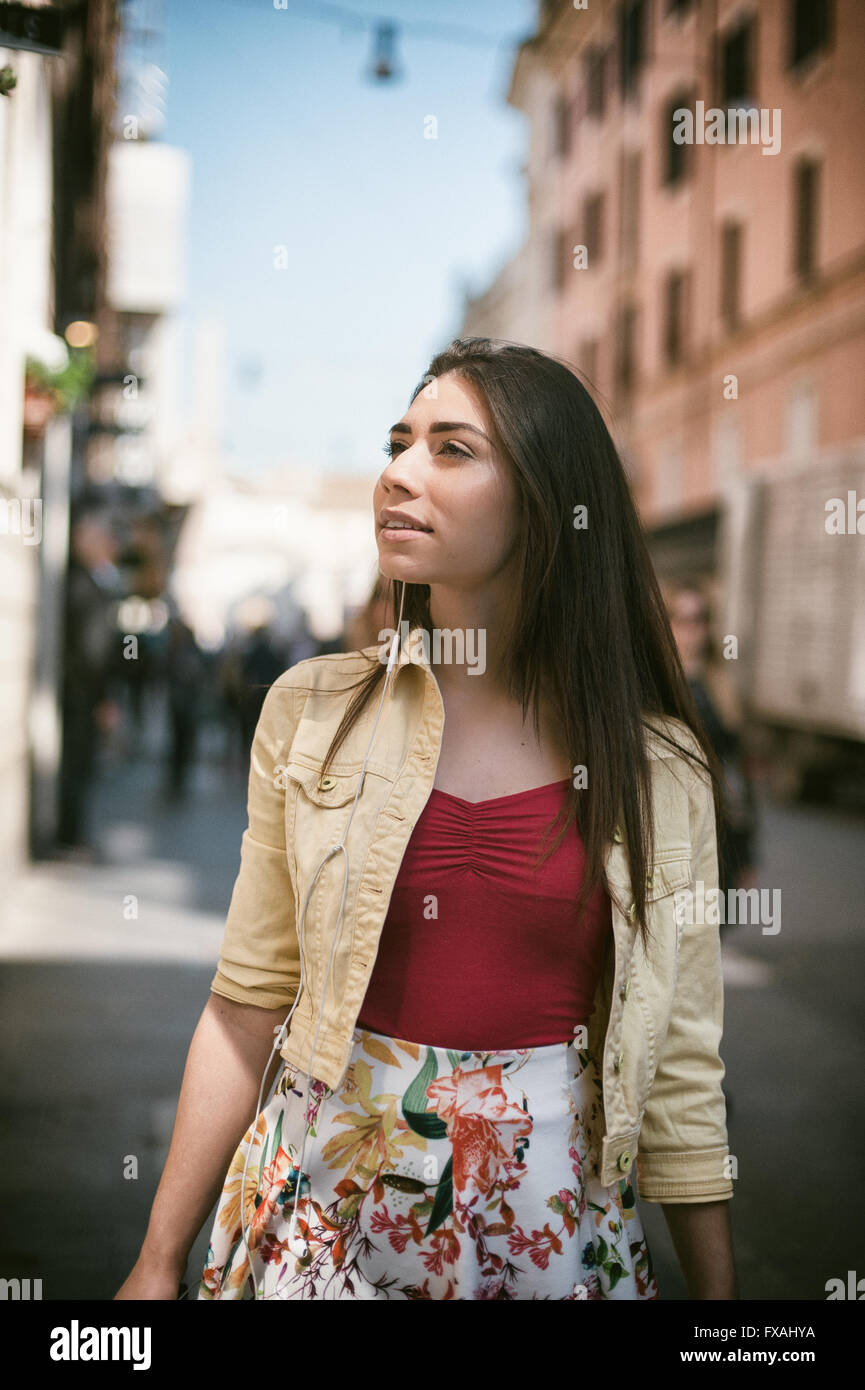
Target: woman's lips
{"points": [[401, 533]]}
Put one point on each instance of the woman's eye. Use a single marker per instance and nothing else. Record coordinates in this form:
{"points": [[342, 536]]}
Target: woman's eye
{"points": [[392, 448]]}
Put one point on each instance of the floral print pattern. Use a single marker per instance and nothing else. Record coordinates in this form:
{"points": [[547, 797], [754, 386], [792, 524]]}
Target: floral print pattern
{"points": [[431, 1174]]}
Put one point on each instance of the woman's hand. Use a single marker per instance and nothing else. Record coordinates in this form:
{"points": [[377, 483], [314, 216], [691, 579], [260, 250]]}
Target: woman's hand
{"points": [[221, 1080]]}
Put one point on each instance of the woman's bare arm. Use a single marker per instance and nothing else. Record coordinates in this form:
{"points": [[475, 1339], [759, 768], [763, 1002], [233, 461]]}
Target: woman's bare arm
{"points": [[702, 1236], [221, 1082]]}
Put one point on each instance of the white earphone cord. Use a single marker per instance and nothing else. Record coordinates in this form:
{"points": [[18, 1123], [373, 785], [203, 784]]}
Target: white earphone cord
{"points": [[298, 1246]]}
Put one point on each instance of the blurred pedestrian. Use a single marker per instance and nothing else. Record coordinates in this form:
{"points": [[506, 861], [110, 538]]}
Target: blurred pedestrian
{"points": [[93, 588], [718, 706], [261, 661], [186, 675]]}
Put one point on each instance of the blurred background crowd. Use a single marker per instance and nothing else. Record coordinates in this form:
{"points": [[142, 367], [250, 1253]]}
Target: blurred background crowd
{"points": [[231, 234]]}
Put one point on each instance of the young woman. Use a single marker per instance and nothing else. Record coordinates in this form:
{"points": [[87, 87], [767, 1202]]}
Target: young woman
{"points": [[466, 852]]}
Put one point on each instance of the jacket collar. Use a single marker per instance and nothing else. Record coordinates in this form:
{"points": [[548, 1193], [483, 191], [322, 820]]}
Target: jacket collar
{"points": [[412, 652]]}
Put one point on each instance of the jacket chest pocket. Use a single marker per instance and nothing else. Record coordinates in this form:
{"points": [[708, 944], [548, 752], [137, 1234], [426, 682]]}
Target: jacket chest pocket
{"points": [[664, 886], [334, 789], [308, 798], [666, 879], [666, 876], [649, 975]]}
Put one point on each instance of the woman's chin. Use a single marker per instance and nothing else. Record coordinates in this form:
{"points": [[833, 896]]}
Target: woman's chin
{"points": [[398, 567]]}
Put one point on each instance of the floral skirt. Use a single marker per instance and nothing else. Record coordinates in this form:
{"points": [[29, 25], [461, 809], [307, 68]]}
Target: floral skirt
{"points": [[431, 1174]]}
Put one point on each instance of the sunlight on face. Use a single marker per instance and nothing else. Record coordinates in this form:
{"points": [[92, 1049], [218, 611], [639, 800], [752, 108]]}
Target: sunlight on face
{"points": [[446, 474]]}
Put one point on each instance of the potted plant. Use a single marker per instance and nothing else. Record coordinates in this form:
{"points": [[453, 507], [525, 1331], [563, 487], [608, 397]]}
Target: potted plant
{"points": [[55, 379]]}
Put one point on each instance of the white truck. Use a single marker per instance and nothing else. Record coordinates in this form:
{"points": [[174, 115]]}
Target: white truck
{"points": [[796, 580]]}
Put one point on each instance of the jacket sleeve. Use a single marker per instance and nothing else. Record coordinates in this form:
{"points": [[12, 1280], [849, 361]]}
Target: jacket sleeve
{"points": [[259, 962], [682, 1154]]}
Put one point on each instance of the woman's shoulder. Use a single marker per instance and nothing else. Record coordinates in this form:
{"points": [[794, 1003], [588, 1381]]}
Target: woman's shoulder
{"points": [[668, 737], [331, 671]]}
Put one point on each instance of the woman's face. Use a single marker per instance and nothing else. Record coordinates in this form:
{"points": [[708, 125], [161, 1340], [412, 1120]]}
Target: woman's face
{"points": [[446, 474]]}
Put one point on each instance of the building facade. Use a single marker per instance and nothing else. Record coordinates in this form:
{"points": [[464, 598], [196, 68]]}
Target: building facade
{"points": [[56, 106], [696, 249]]}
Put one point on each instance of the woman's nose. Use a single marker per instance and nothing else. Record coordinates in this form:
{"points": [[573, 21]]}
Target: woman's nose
{"points": [[401, 471]]}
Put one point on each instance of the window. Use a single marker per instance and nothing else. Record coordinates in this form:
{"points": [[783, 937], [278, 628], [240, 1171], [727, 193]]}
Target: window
{"points": [[677, 159], [629, 208], [670, 476], [593, 227], [736, 73], [560, 258], [806, 175], [626, 348], [731, 273], [675, 316], [727, 451], [809, 28], [632, 43], [800, 424], [561, 125], [594, 73]]}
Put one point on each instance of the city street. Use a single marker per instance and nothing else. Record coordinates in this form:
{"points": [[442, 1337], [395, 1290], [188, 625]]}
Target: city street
{"points": [[633, 354], [98, 1007], [97, 1014]]}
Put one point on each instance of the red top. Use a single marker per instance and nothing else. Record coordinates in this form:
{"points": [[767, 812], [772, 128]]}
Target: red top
{"points": [[479, 950]]}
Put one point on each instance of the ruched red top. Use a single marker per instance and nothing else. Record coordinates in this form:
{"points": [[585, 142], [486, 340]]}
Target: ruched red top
{"points": [[480, 950]]}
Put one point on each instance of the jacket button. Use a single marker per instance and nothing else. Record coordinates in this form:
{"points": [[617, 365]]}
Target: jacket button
{"points": [[617, 1061], [650, 878], [617, 835], [625, 1161], [626, 989], [632, 912], [326, 783]]}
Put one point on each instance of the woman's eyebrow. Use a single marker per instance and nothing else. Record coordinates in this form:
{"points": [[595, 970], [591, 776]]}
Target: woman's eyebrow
{"points": [[441, 427]]}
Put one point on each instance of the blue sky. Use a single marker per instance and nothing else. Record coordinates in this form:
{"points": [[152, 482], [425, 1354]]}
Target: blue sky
{"points": [[293, 146]]}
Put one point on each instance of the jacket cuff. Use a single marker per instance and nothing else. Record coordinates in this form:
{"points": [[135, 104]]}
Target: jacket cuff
{"points": [[696, 1175], [259, 995]]}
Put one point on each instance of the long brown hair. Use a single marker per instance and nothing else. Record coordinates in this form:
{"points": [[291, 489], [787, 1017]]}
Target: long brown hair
{"points": [[591, 630]]}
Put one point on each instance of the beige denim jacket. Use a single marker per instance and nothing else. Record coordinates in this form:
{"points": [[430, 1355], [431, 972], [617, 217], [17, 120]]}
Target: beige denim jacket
{"points": [[657, 1023]]}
